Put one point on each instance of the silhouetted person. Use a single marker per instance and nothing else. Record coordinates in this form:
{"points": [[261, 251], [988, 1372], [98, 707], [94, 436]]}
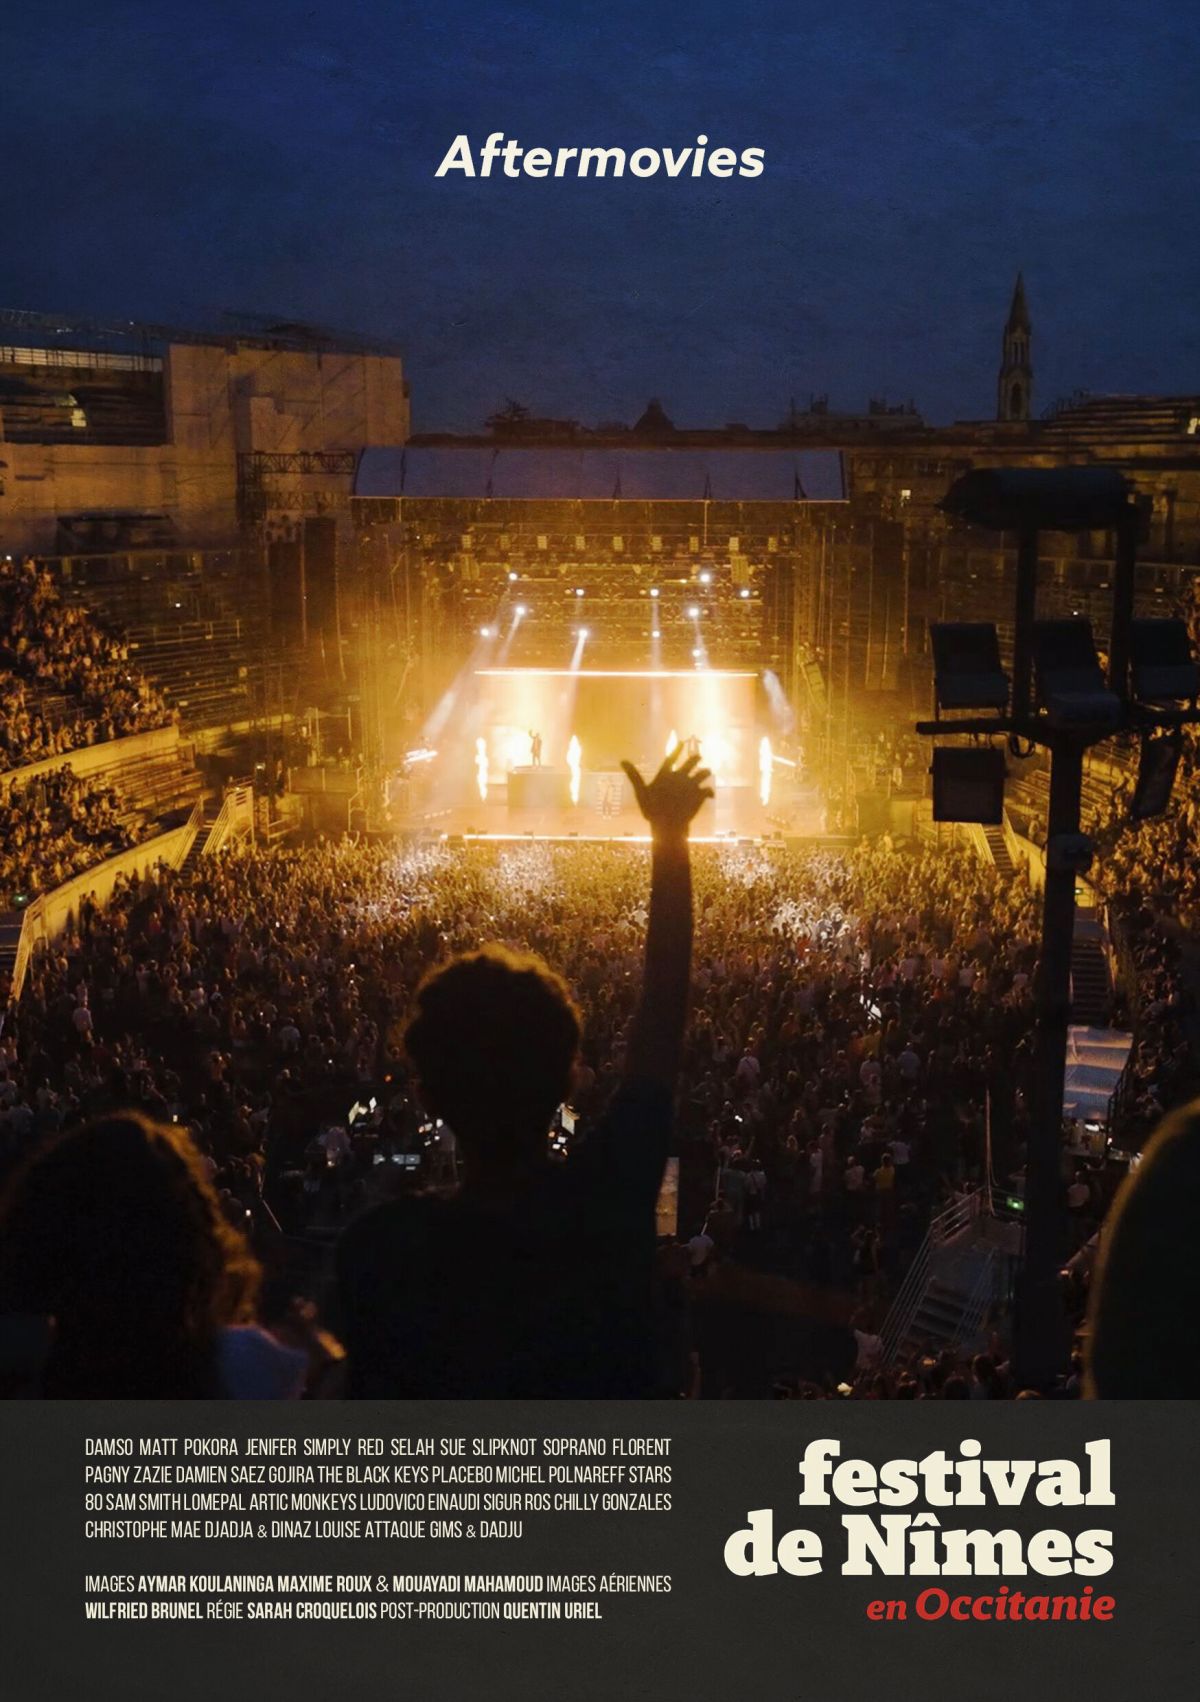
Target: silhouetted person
{"points": [[536, 1278], [1146, 1292], [535, 745], [122, 1277]]}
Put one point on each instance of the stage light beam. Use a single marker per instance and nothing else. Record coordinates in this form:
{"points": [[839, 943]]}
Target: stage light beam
{"points": [[765, 770], [575, 765], [481, 767]]}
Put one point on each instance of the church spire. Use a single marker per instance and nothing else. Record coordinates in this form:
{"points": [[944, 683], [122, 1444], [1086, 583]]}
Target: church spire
{"points": [[1018, 313], [1015, 386]]}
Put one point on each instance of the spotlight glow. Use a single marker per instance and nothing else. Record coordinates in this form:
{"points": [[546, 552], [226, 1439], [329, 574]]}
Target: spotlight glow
{"points": [[654, 590], [716, 753], [575, 764], [706, 578], [481, 767], [764, 770], [693, 613], [744, 592], [485, 632]]}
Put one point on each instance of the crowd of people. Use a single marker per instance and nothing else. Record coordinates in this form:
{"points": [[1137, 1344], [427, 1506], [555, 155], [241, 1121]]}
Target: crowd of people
{"points": [[856, 1016], [55, 826], [64, 681], [858, 1054]]}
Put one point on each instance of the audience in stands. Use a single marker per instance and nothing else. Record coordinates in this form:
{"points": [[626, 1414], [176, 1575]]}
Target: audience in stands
{"points": [[56, 826], [64, 681]]}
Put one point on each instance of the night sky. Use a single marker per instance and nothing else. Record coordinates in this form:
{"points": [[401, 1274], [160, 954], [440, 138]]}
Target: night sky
{"points": [[170, 161]]}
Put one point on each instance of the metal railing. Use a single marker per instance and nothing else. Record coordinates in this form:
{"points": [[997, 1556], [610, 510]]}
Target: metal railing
{"points": [[971, 1320], [233, 820], [904, 1308]]}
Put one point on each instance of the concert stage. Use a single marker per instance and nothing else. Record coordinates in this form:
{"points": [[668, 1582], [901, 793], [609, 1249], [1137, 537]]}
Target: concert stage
{"points": [[606, 811], [538, 751]]}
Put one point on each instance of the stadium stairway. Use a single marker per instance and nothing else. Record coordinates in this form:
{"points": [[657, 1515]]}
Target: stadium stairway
{"points": [[998, 846], [199, 845], [961, 1270], [1091, 983], [942, 1318]]}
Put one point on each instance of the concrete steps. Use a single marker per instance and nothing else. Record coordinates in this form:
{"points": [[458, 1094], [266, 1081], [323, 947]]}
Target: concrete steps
{"points": [[998, 846], [1091, 984]]}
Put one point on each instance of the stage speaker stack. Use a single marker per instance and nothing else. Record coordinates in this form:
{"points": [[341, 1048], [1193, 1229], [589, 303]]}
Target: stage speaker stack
{"points": [[321, 574], [286, 592]]}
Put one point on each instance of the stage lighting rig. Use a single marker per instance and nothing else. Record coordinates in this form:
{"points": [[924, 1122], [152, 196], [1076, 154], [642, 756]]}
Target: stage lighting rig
{"points": [[1059, 697], [1161, 663], [967, 672]]}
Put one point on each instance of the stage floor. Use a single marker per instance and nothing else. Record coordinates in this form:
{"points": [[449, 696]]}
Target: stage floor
{"points": [[718, 821]]}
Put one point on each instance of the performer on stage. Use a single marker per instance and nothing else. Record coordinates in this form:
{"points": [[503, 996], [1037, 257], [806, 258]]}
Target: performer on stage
{"points": [[535, 744]]}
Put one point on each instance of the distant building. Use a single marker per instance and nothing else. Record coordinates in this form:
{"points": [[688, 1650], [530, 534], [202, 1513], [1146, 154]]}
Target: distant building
{"points": [[120, 437], [1015, 384]]}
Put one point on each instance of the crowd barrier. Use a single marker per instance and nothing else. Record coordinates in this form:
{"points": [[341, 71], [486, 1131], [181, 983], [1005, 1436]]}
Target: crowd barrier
{"points": [[97, 759], [48, 915]]}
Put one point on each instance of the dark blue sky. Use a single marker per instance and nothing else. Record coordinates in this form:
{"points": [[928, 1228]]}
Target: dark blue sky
{"points": [[171, 160]]}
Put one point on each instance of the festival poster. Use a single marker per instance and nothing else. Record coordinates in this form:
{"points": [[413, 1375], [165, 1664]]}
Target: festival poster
{"points": [[599, 672]]}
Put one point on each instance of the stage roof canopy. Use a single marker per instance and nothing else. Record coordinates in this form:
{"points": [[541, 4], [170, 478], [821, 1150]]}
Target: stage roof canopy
{"points": [[603, 475]]}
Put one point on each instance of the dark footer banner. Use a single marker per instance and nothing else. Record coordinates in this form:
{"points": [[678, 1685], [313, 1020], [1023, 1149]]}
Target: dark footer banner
{"points": [[816, 1551]]}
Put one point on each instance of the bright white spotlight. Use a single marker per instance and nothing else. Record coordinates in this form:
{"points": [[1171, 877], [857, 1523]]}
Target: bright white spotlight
{"points": [[579, 590], [485, 632], [656, 633], [654, 590], [521, 611], [481, 767], [706, 577], [693, 613], [744, 592], [698, 652], [512, 579], [575, 764], [764, 770], [583, 632]]}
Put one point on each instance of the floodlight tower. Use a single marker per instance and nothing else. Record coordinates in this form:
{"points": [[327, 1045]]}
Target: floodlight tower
{"points": [[1059, 698]]}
